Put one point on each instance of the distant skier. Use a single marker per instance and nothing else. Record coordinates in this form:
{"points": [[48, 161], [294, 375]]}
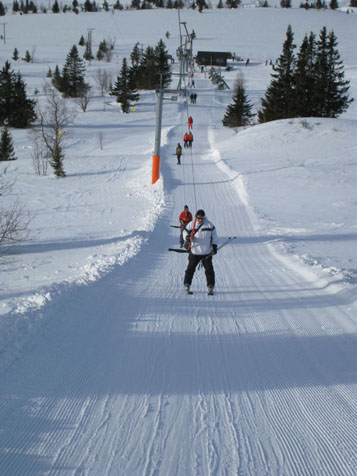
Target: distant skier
{"points": [[185, 218], [190, 122], [202, 245], [185, 140], [190, 139], [178, 153]]}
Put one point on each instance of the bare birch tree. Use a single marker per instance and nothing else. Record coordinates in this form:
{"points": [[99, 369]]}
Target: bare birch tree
{"points": [[13, 221], [103, 80], [52, 118]]}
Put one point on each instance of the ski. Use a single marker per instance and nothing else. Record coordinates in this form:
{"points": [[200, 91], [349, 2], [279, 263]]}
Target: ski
{"points": [[175, 226], [178, 250]]}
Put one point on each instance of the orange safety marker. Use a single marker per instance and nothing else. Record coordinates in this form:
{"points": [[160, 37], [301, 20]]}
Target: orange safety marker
{"points": [[155, 168]]}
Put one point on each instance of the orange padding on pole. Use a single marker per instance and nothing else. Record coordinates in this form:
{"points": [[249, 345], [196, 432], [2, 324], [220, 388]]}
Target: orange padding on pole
{"points": [[155, 168]]}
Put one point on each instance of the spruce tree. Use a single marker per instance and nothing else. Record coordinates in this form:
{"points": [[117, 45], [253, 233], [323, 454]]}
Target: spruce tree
{"points": [[24, 111], [304, 77], [124, 89], [145, 75], [73, 74], [336, 100], [27, 58], [57, 79], [240, 112], [279, 101], [15, 54], [56, 160], [162, 65], [16, 110], [88, 55], [6, 146], [136, 55], [320, 74], [55, 7]]}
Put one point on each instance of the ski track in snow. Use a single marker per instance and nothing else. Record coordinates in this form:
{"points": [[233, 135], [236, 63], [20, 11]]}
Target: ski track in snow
{"points": [[136, 378]]}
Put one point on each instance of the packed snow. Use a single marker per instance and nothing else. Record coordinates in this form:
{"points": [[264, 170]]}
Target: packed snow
{"points": [[107, 367]]}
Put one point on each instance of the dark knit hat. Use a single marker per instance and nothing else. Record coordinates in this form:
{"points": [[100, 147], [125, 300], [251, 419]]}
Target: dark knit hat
{"points": [[200, 214]]}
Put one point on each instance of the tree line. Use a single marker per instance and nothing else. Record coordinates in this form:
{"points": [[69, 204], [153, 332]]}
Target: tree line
{"points": [[29, 6]]}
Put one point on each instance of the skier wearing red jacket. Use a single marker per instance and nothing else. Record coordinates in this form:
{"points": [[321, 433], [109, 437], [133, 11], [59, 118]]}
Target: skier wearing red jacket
{"points": [[190, 122], [185, 218], [185, 140]]}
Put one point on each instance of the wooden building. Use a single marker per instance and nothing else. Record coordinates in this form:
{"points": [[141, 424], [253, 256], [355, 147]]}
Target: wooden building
{"points": [[212, 58]]}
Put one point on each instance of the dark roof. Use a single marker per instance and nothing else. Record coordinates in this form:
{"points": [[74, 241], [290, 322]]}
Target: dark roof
{"points": [[214, 53]]}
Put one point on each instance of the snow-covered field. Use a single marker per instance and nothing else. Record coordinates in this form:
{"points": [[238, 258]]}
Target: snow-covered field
{"points": [[106, 367]]}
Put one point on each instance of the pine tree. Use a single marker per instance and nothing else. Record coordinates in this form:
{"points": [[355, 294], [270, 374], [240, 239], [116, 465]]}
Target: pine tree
{"points": [[88, 55], [162, 65], [136, 55], [102, 50], [56, 160], [124, 89], [6, 146], [27, 58], [201, 4], [73, 74], [240, 112], [57, 79], [88, 7], [321, 72], [55, 7], [15, 55], [279, 101], [333, 88], [16, 110], [23, 113], [75, 7], [304, 77], [145, 75]]}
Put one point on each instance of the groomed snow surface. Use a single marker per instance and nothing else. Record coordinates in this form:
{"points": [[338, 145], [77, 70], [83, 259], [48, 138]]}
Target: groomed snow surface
{"points": [[107, 367]]}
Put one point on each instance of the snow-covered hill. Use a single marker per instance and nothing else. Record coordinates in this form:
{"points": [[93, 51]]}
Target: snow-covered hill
{"points": [[106, 367]]}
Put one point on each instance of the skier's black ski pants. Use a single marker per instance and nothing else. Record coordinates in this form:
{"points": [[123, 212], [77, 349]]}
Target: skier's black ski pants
{"points": [[193, 261]]}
